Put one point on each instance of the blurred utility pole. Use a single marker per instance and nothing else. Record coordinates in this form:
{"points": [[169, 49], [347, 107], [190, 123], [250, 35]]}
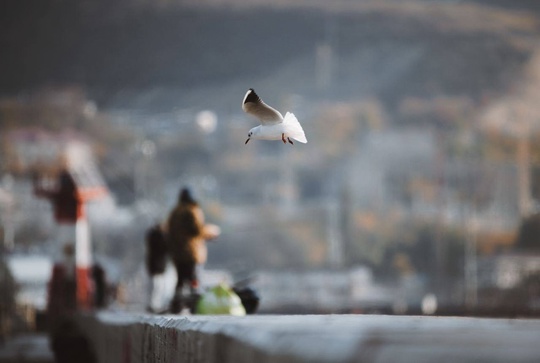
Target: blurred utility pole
{"points": [[147, 149], [8, 223], [523, 161], [325, 62], [287, 192], [441, 282], [333, 233], [334, 217], [471, 258], [324, 66]]}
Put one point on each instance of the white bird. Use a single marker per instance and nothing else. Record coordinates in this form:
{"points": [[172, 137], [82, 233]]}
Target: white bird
{"points": [[273, 125]]}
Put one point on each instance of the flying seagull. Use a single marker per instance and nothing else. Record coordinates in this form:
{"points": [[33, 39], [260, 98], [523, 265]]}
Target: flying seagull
{"points": [[273, 125]]}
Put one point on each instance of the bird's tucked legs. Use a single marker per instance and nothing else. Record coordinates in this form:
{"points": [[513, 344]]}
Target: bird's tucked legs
{"points": [[290, 141], [283, 138]]}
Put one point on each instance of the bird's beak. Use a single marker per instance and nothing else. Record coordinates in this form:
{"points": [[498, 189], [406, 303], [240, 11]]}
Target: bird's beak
{"points": [[247, 141]]}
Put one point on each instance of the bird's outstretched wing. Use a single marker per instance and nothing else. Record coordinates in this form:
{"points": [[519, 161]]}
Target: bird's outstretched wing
{"points": [[253, 105]]}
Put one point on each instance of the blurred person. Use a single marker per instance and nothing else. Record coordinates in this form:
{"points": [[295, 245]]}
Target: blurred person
{"points": [[70, 344], [62, 193], [62, 286], [66, 202], [156, 262], [100, 285], [187, 234]]}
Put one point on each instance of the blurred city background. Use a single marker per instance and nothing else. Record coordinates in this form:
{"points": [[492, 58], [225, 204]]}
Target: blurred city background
{"points": [[418, 191]]}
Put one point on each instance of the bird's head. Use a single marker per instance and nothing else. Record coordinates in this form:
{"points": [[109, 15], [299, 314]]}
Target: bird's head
{"points": [[252, 133]]}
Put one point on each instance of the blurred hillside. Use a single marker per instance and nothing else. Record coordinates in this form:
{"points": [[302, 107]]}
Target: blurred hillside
{"points": [[139, 54]]}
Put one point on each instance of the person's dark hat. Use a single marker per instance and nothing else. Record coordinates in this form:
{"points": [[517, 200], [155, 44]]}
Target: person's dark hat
{"points": [[186, 197]]}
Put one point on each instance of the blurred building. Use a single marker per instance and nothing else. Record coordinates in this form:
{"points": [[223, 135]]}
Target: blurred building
{"points": [[506, 271], [510, 284], [322, 291], [31, 273]]}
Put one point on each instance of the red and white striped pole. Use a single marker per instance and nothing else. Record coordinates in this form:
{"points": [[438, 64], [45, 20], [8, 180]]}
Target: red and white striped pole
{"points": [[83, 248], [83, 261]]}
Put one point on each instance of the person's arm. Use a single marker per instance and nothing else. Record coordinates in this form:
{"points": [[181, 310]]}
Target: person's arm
{"points": [[207, 231], [211, 231]]}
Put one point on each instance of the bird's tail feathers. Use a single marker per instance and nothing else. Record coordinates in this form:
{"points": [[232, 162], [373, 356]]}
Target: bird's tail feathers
{"points": [[293, 127]]}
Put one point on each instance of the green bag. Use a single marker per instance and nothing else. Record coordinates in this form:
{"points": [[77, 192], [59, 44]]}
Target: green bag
{"points": [[220, 300]]}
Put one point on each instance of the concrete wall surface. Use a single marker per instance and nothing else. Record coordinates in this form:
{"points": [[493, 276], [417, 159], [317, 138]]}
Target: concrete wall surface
{"points": [[132, 338]]}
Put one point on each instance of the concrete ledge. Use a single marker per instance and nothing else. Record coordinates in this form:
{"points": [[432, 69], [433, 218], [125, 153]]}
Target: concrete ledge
{"points": [[132, 338]]}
